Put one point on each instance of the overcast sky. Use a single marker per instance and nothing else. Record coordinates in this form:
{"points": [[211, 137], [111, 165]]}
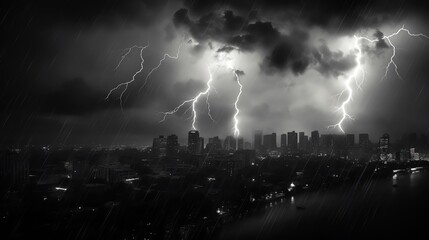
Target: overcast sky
{"points": [[58, 59]]}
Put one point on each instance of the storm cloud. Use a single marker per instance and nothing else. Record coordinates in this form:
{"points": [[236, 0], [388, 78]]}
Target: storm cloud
{"points": [[57, 61]]}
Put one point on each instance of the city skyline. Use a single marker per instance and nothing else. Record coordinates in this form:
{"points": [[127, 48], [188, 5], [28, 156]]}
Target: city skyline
{"points": [[214, 119], [274, 141]]}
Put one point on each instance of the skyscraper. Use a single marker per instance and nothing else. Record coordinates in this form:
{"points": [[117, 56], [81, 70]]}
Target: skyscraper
{"points": [[240, 143], [283, 142], [258, 140], [194, 142], [292, 140], [159, 146], [303, 142], [384, 146], [172, 145], [230, 143], [201, 144], [315, 142], [364, 140], [214, 144], [350, 140], [270, 141]]}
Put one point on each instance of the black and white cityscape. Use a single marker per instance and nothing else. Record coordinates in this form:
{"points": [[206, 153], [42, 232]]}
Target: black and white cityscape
{"points": [[223, 119]]}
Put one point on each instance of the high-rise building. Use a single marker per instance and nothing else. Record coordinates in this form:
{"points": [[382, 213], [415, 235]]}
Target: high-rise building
{"points": [[315, 142], [201, 144], [194, 144], [283, 141], [172, 145], [270, 141], [258, 140], [326, 143], [292, 140], [350, 140], [240, 143], [384, 144], [214, 144], [364, 140], [159, 146], [230, 143], [303, 142]]}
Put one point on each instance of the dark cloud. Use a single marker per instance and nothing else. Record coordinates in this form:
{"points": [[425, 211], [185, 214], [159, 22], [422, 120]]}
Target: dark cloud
{"points": [[334, 15], [239, 72], [381, 43], [333, 63], [256, 34], [242, 26], [45, 42], [87, 13], [226, 49], [291, 53], [283, 52], [74, 97]]}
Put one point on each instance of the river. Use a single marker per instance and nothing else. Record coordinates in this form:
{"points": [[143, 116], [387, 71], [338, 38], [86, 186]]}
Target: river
{"points": [[388, 208]]}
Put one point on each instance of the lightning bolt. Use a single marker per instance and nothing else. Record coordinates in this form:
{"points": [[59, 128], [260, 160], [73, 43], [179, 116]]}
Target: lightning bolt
{"points": [[348, 89], [193, 102], [237, 110], [359, 68], [208, 107], [388, 39], [166, 55], [125, 84]]}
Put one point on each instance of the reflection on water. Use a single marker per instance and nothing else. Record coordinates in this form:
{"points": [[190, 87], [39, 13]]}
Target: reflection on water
{"points": [[392, 207], [414, 176]]}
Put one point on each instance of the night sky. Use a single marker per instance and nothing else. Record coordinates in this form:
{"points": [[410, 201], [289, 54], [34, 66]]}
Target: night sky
{"points": [[58, 59]]}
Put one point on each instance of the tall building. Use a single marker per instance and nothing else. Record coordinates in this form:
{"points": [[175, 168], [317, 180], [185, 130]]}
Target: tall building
{"points": [[326, 143], [303, 142], [350, 140], [230, 143], [364, 140], [214, 145], [201, 144], [283, 140], [258, 140], [240, 143], [194, 145], [159, 146], [292, 140], [315, 142], [270, 141], [384, 146], [172, 145]]}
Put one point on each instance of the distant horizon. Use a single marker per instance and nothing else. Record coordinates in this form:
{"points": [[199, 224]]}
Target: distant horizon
{"points": [[183, 139]]}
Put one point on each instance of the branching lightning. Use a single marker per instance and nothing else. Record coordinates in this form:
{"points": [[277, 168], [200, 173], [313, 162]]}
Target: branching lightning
{"points": [[125, 84], [359, 68], [166, 55], [223, 61], [194, 101]]}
